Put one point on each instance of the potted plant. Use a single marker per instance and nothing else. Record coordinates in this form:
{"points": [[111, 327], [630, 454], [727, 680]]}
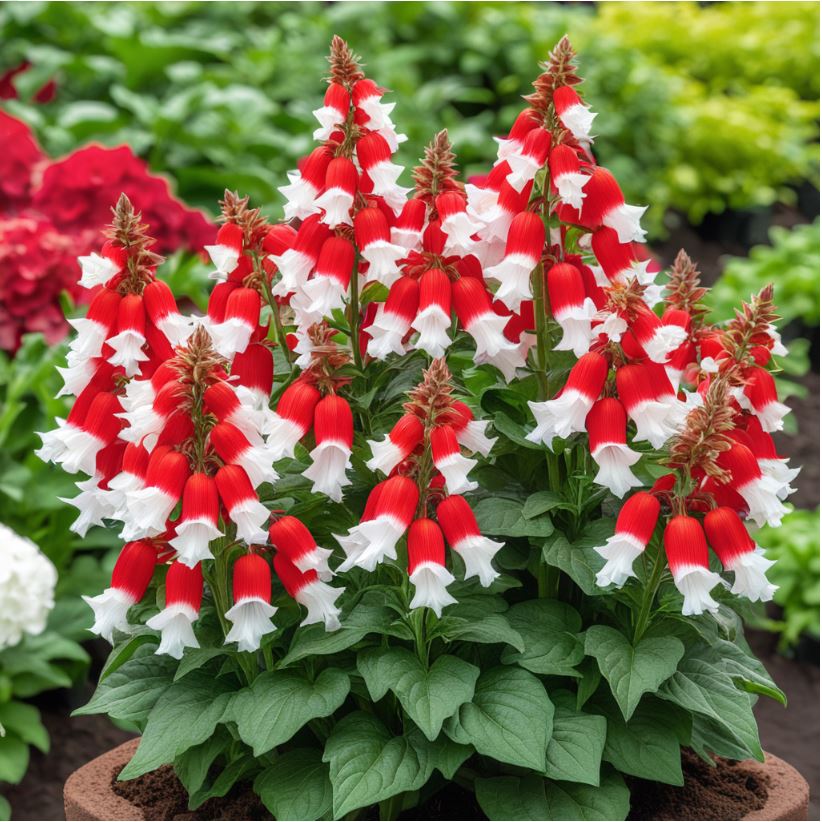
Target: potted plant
{"points": [[484, 471]]}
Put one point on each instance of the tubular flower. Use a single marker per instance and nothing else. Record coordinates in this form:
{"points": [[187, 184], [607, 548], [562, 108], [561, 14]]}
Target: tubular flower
{"points": [[129, 581], [374, 538], [450, 462], [226, 252], [242, 503], [291, 538], [770, 463], [760, 393], [605, 206], [470, 432], [198, 523], [567, 413], [739, 553], [472, 303], [292, 420], [234, 448], [523, 250], [242, 316], [529, 159], [434, 314], [572, 309], [566, 176], [333, 112], [252, 610], [525, 122], [305, 183], [635, 526], [337, 199], [392, 322], [326, 289], [687, 553], [457, 225], [309, 591], [573, 113], [184, 593], [334, 434], [426, 567], [403, 438], [640, 396], [373, 237], [606, 425], [459, 525]]}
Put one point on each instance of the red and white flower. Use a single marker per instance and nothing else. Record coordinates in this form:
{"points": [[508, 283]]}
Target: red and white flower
{"points": [[566, 176], [162, 311], [470, 432], [448, 460], [529, 159], [242, 316], [291, 538], [456, 224], [566, 414], [292, 420], [184, 594], [605, 205], [739, 553], [407, 230], [326, 289], [404, 437], [526, 121], [760, 492], [374, 155], [331, 457], [433, 318], [96, 327], [98, 269], [388, 513], [460, 527], [297, 262], [305, 183], [242, 503], [253, 374], [573, 113], [226, 252], [340, 187], [640, 396], [634, 528], [571, 308], [472, 304], [426, 567], [333, 112], [198, 522], [373, 237], [235, 448], [687, 552], [760, 392], [523, 250], [83, 441], [128, 343], [658, 339], [129, 581], [252, 610], [770, 463], [309, 591], [148, 508], [392, 322], [606, 424]]}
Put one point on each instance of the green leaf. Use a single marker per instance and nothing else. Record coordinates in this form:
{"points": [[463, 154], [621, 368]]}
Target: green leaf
{"points": [[490, 630], [533, 797], [700, 688], [579, 559], [428, 696], [133, 689], [509, 719], [505, 518], [279, 703], [23, 720], [14, 758], [194, 658], [5, 809], [589, 682], [647, 745], [185, 715], [224, 781], [543, 501], [369, 764], [297, 786], [549, 632], [632, 671], [575, 749], [192, 766], [123, 652]]}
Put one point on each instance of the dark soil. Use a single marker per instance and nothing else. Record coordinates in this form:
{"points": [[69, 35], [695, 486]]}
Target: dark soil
{"points": [[161, 795], [727, 791]]}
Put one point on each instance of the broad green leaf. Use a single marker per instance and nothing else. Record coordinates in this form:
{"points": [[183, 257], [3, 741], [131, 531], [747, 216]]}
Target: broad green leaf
{"points": [[194, 658], [549, 632], [123, 652], [279, 703], [192, 766], [185, 715], [747, 672], [14, 758], [428, 696], [369, 764], [631, 670], [589, 682], [509, 719], [23, 720], [504, 517], [490, 630], [699, 687], [133, 689], [533, 797], [5, 809], [224, 781], [575, 749], [297, 786], [646, 746], [579, 559], [543, 501]]}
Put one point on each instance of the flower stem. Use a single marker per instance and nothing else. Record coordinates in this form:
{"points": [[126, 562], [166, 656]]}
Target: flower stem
{"points": [[541, 329], [278, 323], [649, 596], [354, 308]]}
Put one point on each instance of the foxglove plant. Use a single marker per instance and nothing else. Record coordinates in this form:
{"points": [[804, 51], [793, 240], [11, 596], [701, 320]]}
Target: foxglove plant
{"points": [[520, 613]]}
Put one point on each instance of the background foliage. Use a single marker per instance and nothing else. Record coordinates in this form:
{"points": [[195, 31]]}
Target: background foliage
{"points": [[220, 94]]}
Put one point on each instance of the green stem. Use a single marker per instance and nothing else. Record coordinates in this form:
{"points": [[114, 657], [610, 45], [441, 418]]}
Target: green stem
{"points": [[649, 595], [354, 308], [278, 323], [390, 808], [538, 287]]}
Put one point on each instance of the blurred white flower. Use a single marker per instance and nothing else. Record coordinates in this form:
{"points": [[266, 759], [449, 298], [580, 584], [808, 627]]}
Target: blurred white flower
{"points": [[27, 580]]}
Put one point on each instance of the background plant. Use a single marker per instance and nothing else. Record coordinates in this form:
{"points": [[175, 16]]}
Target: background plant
{"points": [[699, 126]]}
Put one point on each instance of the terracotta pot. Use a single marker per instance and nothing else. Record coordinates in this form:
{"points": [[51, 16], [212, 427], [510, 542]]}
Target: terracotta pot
{"points": [[88, 793]]}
